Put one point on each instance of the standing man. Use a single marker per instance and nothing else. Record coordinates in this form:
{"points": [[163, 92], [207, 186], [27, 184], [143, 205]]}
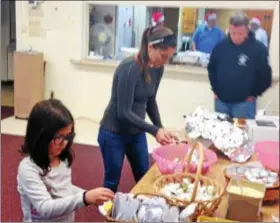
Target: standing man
{"points": [[239, 70], [260, 33], [206, 36]]}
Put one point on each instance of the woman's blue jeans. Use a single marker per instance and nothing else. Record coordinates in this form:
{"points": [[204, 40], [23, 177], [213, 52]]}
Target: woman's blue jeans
{"points": [[114, 147]]}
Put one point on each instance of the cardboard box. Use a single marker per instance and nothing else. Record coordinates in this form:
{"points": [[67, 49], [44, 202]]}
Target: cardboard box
{"points": [[28, 81], [244, 207]]}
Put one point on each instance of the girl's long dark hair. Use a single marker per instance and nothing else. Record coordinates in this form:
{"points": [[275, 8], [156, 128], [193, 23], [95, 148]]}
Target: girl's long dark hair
{"points": [[46, 119], [151, 34]]}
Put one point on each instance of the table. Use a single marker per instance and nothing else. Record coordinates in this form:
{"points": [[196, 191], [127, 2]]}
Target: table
{"points": [[145, 185]]}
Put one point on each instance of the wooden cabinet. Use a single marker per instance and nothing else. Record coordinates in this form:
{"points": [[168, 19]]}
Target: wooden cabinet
{"points": [[188, 22], [266, 17], [223, 17]]}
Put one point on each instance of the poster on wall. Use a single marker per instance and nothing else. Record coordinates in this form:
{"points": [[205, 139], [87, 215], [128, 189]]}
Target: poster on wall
{"points": [[35, 28], [35, 18]]}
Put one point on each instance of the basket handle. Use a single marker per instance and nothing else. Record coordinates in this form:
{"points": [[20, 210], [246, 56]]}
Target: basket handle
{"points": [[195, 145]]}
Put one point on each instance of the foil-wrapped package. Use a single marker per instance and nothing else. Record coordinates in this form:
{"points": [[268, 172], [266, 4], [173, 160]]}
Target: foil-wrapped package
{"points": [[148, 209], [219, 128]]}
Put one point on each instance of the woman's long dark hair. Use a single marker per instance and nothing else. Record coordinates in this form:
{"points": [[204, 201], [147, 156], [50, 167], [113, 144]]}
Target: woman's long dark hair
{"points": [[151, 34], [46, 119]]}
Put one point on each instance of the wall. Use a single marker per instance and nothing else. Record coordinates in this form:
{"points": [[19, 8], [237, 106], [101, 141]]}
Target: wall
{"points": [[5, 40], [86, 89], [274, 42]]}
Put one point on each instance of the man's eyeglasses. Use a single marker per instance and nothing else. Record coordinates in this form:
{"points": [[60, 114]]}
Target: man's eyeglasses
{"points": [[59, 139]]}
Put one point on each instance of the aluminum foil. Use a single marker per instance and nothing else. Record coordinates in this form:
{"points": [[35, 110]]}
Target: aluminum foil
{"points": [[228, 138]]}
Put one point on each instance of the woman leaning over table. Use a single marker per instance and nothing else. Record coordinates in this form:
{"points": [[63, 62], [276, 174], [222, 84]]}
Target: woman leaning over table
{"points": [[123, 126]]}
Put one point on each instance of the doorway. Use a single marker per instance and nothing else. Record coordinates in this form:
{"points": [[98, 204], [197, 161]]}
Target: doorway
{"points": [[171, 18], [8, 46]]}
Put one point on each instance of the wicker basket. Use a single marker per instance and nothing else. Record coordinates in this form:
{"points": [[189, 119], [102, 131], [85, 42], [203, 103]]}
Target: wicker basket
{"points": [[206, 208], [110, 219], [212, 219]]}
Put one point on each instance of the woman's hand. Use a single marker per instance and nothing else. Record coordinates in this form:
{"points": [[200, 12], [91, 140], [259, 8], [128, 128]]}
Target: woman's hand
{"points": [[98, 196], [165, 137]]}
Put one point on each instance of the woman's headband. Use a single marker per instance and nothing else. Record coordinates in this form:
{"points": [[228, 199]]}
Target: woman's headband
{"points": [[167, 40]]}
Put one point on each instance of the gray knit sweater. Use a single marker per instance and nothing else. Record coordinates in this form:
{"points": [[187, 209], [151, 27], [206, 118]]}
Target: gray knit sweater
{"points": [[49, 198], [131, 98]]}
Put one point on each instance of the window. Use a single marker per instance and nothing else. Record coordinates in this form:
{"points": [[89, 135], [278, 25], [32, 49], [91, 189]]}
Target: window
{"points": [[115, 31]]}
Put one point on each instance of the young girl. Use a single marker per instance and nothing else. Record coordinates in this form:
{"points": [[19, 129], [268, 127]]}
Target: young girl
{"points": [[44, 175]]}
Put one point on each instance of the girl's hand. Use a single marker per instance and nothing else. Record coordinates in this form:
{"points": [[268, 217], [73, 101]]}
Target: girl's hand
{"points": [[98, 196]]}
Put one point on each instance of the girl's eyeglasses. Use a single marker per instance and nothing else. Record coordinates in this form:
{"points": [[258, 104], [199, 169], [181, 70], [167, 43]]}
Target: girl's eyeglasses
{"points": [[59, 139]]}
